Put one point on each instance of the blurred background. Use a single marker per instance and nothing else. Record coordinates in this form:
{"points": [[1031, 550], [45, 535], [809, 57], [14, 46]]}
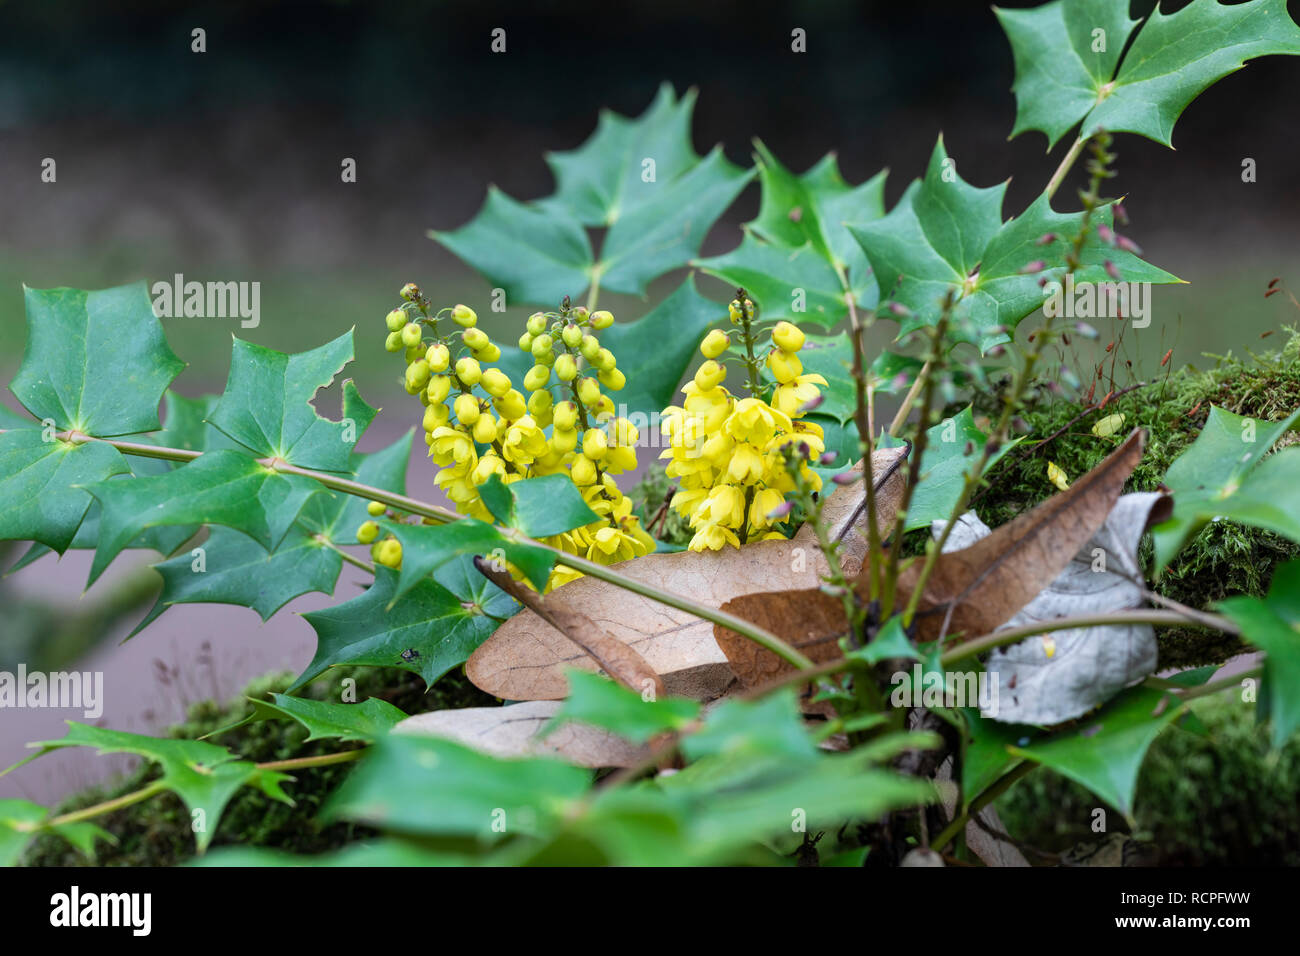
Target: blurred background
{"points": [[224, 165]]}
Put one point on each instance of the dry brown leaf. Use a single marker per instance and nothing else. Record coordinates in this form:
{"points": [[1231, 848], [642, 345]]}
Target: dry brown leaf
{"points": [[975, 590], [615, 658], [515, 731], [526, 658]]}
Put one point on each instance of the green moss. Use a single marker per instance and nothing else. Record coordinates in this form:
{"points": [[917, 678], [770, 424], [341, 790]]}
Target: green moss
{"points": [[157, 832], [1220, 800]]}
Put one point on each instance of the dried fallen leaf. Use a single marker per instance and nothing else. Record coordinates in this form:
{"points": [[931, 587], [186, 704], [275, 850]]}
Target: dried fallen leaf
{"points": [[516, 731], [526, 658], [615, 658]]}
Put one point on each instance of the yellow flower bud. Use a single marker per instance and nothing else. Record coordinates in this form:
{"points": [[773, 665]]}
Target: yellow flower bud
{"points": [[390, 553], [733, 312], [511, 406], [411, 335], [539, 404], [582, 471], [710, 375], [590, 347], [495, 382], [785, 366], [537, 323], [526, 341], [564, 440], [375, 509], [368, 532], [475, 339], [594, 445], [394, 342], [435, 416], [605, 407], [788, 337], [542, 344], [467, 409], [468, 371], [714, 344], [439, 388], [464, 316], [537, 377], [612, 379], [566, 368], [396, 320], [588, 391], [566, 415], [490, 353], [601, 319], [417, 376], [572, 336], [604, 360], [438, 357], [410, 292], [485, 430]]}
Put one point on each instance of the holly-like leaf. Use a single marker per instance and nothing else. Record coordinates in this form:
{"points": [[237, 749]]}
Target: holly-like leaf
{"points": [[598, 702], [220, 487], [797, 259], [1104, 752], [41, 485], [539, 507], [267, 405], [426, 548], [336, 515], [639, 178], [1274, 625], [428, 631], [946, 236], [21, 820], [203, 775], [328, 720], [95, 362], [1218, 477], [1066, 56]]}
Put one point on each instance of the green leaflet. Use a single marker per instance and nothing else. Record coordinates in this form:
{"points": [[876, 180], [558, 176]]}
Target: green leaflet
{"points": [[600, 702], [1104, 752], [19, 820], [203, 775], [96, 362], [1274, 625], [798, 255], [1066, 55], [427, 548], [539, 507], [367, 721], [1220, 475], [267, 405], [640, 178], [948, 236], [40, 483], [428, 630], [220, 487]]}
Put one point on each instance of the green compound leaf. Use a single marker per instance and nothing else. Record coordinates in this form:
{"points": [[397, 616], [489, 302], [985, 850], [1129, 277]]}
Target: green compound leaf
{"points": [[1066, 55], [944, 465], [798, 254], [96, 362], [203, 775], [539, 507], [426, 548], [327, 720], [1217, 477], [1104, 752], [267, 405], [21, 820], [428, 630], [948, 236], [600, 702], [336, 515], [640, 178], [1274, 625], [411, 783], [221, 487], [40, 485]]}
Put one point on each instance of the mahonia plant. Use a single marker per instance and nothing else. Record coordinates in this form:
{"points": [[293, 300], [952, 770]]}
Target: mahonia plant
{"points": [[730, 453], [478, 425]]}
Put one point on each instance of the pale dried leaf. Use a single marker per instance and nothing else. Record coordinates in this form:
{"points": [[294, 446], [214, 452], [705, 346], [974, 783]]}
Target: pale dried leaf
{"points": [[526, 658]]}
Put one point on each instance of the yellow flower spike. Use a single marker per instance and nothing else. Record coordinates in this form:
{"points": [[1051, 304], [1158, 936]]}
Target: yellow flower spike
{"points": [[566, 368], [601, 320], [564, 440], [485, 430], [788, 337], [411, 335], [714, 344], [784, 366], [613, 379], [467, 409], [435, 416], [537, 377], [1056, 475], [396, 320], [439, 388], [710, 375], [468, 371], [394, 342], [464, 316], [511, 406], [495, 382], [368, 532], [438, 356], [417, 376]]}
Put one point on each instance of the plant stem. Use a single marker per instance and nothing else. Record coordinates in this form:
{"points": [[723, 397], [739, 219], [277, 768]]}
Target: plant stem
{"points": [[863, 419], [909, 400], [320, 760], [1071, 157], [99, 809], [346, 556]]}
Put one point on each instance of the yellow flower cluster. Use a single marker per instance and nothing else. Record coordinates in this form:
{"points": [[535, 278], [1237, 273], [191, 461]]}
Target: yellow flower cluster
{"points": [[477, 424], [729, 454]]}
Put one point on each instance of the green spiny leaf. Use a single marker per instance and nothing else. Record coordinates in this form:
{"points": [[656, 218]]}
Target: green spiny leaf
{"points": [[426, 548], [21, 820], [328, 720], [1274, 625], [539, 507], [598, 701]]}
